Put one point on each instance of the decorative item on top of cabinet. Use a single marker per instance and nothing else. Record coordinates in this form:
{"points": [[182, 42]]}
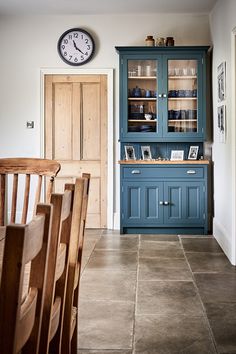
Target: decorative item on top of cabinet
{"points": [[150, 42], [170, 41]]}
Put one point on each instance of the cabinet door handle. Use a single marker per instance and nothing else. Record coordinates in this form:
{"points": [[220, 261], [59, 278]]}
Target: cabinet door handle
{"points": [[161, 202], [160, 95], [164, 95], [191, 172], [166, 203], [136, 172]]}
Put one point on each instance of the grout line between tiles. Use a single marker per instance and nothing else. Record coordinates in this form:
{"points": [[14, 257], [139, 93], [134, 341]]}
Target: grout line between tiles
{"points": [[82, 271], [136, 298], [200, 299]]}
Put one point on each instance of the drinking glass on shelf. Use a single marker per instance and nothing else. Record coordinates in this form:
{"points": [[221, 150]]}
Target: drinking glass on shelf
{"points": [[193, 71], [139, 70], [177, 71], [148, 70]]}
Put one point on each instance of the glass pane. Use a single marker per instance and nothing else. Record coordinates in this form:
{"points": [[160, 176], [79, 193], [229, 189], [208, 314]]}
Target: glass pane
{"points": [[142, 96], [182, 96]]}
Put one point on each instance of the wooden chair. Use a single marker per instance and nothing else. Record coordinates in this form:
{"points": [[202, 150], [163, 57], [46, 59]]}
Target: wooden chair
{"points": [[27, 167], [20, 319], [70, 324], [57, 273]]}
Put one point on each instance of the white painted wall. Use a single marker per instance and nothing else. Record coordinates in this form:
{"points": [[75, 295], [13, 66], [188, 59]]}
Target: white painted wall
{"points": [[222, 22], [29, 44]]}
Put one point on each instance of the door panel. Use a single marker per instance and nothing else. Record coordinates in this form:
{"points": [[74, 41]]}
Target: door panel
{"points": [[62, 121], [195, 203], [132, 203], [153, 194], [91, 122], [173, 192], [76, 135]]}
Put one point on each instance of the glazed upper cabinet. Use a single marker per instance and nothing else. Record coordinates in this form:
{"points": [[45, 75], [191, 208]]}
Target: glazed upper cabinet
{"points": [[162, 93]]}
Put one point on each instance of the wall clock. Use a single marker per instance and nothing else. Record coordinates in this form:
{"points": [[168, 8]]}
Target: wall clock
{"points": [[76, 46]]}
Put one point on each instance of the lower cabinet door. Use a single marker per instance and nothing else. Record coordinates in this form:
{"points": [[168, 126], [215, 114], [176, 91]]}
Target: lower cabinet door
{"points": [[173, 202], [194, 203], [154, 203], [153, 196], [141, 203], [185, 203]]}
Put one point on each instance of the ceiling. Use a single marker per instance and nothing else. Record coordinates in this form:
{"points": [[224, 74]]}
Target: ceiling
{"points": [[60, 7]]}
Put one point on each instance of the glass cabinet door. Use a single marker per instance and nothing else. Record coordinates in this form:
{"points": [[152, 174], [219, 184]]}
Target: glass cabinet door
{"points": [[142, 97], [182, 96]]}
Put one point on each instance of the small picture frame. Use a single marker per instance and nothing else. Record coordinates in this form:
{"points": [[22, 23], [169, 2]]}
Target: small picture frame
{"points": [[193, 152], [146, 153], [129, 152], [222, 123], [177, 155], [221, 79]]}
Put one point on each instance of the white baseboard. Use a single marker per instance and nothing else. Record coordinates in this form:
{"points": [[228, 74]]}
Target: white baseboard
{"points": [[116, 221], [220, 234]]}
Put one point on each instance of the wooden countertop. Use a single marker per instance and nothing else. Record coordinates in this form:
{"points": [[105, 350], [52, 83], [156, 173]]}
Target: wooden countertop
{"points": [[166, 162]]}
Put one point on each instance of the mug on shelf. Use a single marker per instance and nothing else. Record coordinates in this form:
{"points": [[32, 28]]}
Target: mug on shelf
{"points": [[148, 116], [172, 93], [148, 93]]}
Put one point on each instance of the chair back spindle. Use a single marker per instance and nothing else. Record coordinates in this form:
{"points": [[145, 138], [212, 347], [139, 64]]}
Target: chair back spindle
{"points": [[27, 168]]}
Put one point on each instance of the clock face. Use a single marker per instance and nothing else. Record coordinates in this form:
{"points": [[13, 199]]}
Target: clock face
{"points": [[76, 46]]}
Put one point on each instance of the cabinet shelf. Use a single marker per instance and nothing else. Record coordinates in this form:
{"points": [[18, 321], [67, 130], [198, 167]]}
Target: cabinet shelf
{"points": [[142, 98], [182, 120], [142, 121], [142, 77], [183, 77], [182, 98]]}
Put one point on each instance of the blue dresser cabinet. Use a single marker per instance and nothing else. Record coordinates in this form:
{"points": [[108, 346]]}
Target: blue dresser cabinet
{"points": [[164, 198], [162, 93], [163, 100]]}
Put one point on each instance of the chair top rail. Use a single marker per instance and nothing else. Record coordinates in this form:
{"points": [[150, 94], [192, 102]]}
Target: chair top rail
{"points": [[36, 166]]}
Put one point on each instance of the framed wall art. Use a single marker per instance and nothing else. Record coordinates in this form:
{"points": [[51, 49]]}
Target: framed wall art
{"points": [[221, 81], [221, 123]]}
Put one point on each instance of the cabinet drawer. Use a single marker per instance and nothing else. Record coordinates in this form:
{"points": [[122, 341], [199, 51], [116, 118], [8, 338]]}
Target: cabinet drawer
{"points": [[159, 172]]}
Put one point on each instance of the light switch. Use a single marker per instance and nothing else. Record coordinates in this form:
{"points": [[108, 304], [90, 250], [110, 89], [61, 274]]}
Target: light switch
{"points": [[30, 124]]}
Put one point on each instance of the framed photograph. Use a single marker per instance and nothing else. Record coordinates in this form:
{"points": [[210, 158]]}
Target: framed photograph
{"points": [[221, 81], [129, 152], [146, 153], [193, 152], [221, 123], [177, 155]]}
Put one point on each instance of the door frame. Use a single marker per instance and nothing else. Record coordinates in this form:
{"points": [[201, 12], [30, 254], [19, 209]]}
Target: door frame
{"points": [[110, 142], [233, 115]]}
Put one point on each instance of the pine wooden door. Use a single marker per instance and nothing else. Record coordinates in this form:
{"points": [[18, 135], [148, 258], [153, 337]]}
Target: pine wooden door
{"points": [[76, 135]]}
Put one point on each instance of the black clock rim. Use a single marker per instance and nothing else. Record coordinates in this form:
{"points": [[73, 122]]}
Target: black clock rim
{"points": [[64, 34]]}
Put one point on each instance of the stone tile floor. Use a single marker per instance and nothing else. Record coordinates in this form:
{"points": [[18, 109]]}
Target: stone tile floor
{"points": [[156, 294]]}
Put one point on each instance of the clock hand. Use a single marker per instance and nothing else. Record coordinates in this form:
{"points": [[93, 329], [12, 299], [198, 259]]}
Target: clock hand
{"points": [[77, 47]]}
